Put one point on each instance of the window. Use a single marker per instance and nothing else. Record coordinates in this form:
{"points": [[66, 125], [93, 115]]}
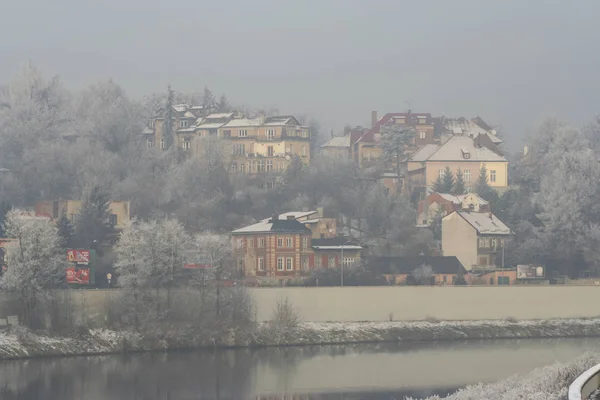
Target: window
{"points": [[492, 175], [445, 279], [289, 242], [270, 134], [187, 143], [291, 149], [467, 175], [242, 167], [317, 262], [331, 262], [261, 242], [150, 143], [304, 263], [227, 133], [493, 243], [212, 132], [151, 124], [239, 243], [279, 242], [482, 243], [162, 143], [251, 243], [348, 261], [304, 243], [112, 219], [243, 133], [269, 165], [183, 123], [441, 173], [250, 166], [503, 280], [234, 167], [261, 264], [260, 166], [280, 264], [289, 263], [303, 151], [270, 151], [239, 149], [422, 135]]}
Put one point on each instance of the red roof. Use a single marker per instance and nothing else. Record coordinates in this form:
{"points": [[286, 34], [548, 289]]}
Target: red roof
{"points": [[370, 135]]}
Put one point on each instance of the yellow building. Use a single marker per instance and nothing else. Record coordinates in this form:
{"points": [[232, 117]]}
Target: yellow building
{"points": [[459, 153], [475, 238], [56, 209], [261, 145]]}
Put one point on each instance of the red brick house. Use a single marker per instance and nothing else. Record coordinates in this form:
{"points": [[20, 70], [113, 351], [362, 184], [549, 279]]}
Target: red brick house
{"points": [[273, 248]]}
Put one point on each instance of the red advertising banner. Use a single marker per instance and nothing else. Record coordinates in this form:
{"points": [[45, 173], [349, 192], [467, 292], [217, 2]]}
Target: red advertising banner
{"points": [[78, 256], [80, 276]]}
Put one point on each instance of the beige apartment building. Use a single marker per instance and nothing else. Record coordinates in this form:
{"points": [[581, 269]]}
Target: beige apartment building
{"points": [[261, 145]]}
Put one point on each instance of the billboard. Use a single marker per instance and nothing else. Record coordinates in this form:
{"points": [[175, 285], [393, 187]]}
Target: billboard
{"points": [[79, 276], [78, 256], [530, 272]]}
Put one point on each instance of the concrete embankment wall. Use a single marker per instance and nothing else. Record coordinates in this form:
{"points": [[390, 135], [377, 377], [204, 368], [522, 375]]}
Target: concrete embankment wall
{"points": [[397, 303]]}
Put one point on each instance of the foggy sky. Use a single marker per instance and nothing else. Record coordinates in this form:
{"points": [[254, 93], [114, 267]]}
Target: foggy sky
{"points": [[510, 61]]}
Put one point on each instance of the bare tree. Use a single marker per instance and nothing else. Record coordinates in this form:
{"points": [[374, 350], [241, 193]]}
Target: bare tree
{"points": [[422, 274]]}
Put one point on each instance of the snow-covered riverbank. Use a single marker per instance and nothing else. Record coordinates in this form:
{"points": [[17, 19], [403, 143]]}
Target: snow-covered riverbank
{"points": [[19, 343], [548, 383]]}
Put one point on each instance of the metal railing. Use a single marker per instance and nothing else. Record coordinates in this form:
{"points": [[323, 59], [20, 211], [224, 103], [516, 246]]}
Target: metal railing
{"points": [[585, 384]]}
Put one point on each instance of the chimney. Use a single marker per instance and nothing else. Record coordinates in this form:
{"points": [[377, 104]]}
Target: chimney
{"points": [[274, 217], [491, 216], [291, 218], [373, 118]]}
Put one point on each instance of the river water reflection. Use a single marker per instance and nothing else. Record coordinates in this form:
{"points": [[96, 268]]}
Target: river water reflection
{"points": [[382, 371]]}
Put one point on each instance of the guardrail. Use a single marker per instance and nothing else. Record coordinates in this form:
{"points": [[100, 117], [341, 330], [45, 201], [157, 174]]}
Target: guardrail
{"points": [[585, 384]]}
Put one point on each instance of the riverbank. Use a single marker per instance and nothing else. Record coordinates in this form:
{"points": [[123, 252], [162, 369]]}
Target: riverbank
{"points": [[547, 383], [20, 343]]}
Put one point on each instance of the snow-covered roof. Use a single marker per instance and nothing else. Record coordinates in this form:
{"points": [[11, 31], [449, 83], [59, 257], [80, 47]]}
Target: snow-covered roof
{"points": [[147, 131], [213, 125], [295, 214], [485, 223], [189, 129], [270, 225], [242, 122], [180, 107], [338, 141], [277, 122], [454, 150], [189, 115], [220, 115], [424, 152]]}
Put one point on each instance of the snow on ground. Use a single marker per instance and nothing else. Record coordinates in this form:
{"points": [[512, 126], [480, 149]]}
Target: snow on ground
{"points": [[548, 383]]}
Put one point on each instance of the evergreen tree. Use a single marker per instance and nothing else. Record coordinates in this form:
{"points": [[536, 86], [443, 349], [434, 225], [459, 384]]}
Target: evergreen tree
{"points": [[4, 209], [208, 99], [92, 224], [447, 181], [459, 184], [66, 232], [395, 140], [168, 133], [482, 187], [223, 105], [438, 185]]}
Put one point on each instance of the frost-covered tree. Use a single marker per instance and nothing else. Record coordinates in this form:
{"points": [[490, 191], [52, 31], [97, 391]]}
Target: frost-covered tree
{"points": [[395, 140], [34, 261], [422, 275], [151, 254], [208, 98], [168, 119]]}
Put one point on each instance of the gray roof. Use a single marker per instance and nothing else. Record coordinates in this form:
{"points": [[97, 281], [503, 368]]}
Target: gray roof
{"points": [[270, 225], [424, 152], [485, 223], [456, 146], [338, 141]]}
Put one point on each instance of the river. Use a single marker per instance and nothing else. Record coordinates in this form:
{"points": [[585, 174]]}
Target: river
{"points": [[366, 371]]}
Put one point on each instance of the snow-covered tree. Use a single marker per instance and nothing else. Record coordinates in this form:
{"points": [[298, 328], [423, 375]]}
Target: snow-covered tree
{"points": [[34, 261], [395, 140], [223, 105], [151, 254], [423, 274]]}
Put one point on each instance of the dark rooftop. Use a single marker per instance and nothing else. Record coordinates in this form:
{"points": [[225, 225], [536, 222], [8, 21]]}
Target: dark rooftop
{"points": [[405, 265]]}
